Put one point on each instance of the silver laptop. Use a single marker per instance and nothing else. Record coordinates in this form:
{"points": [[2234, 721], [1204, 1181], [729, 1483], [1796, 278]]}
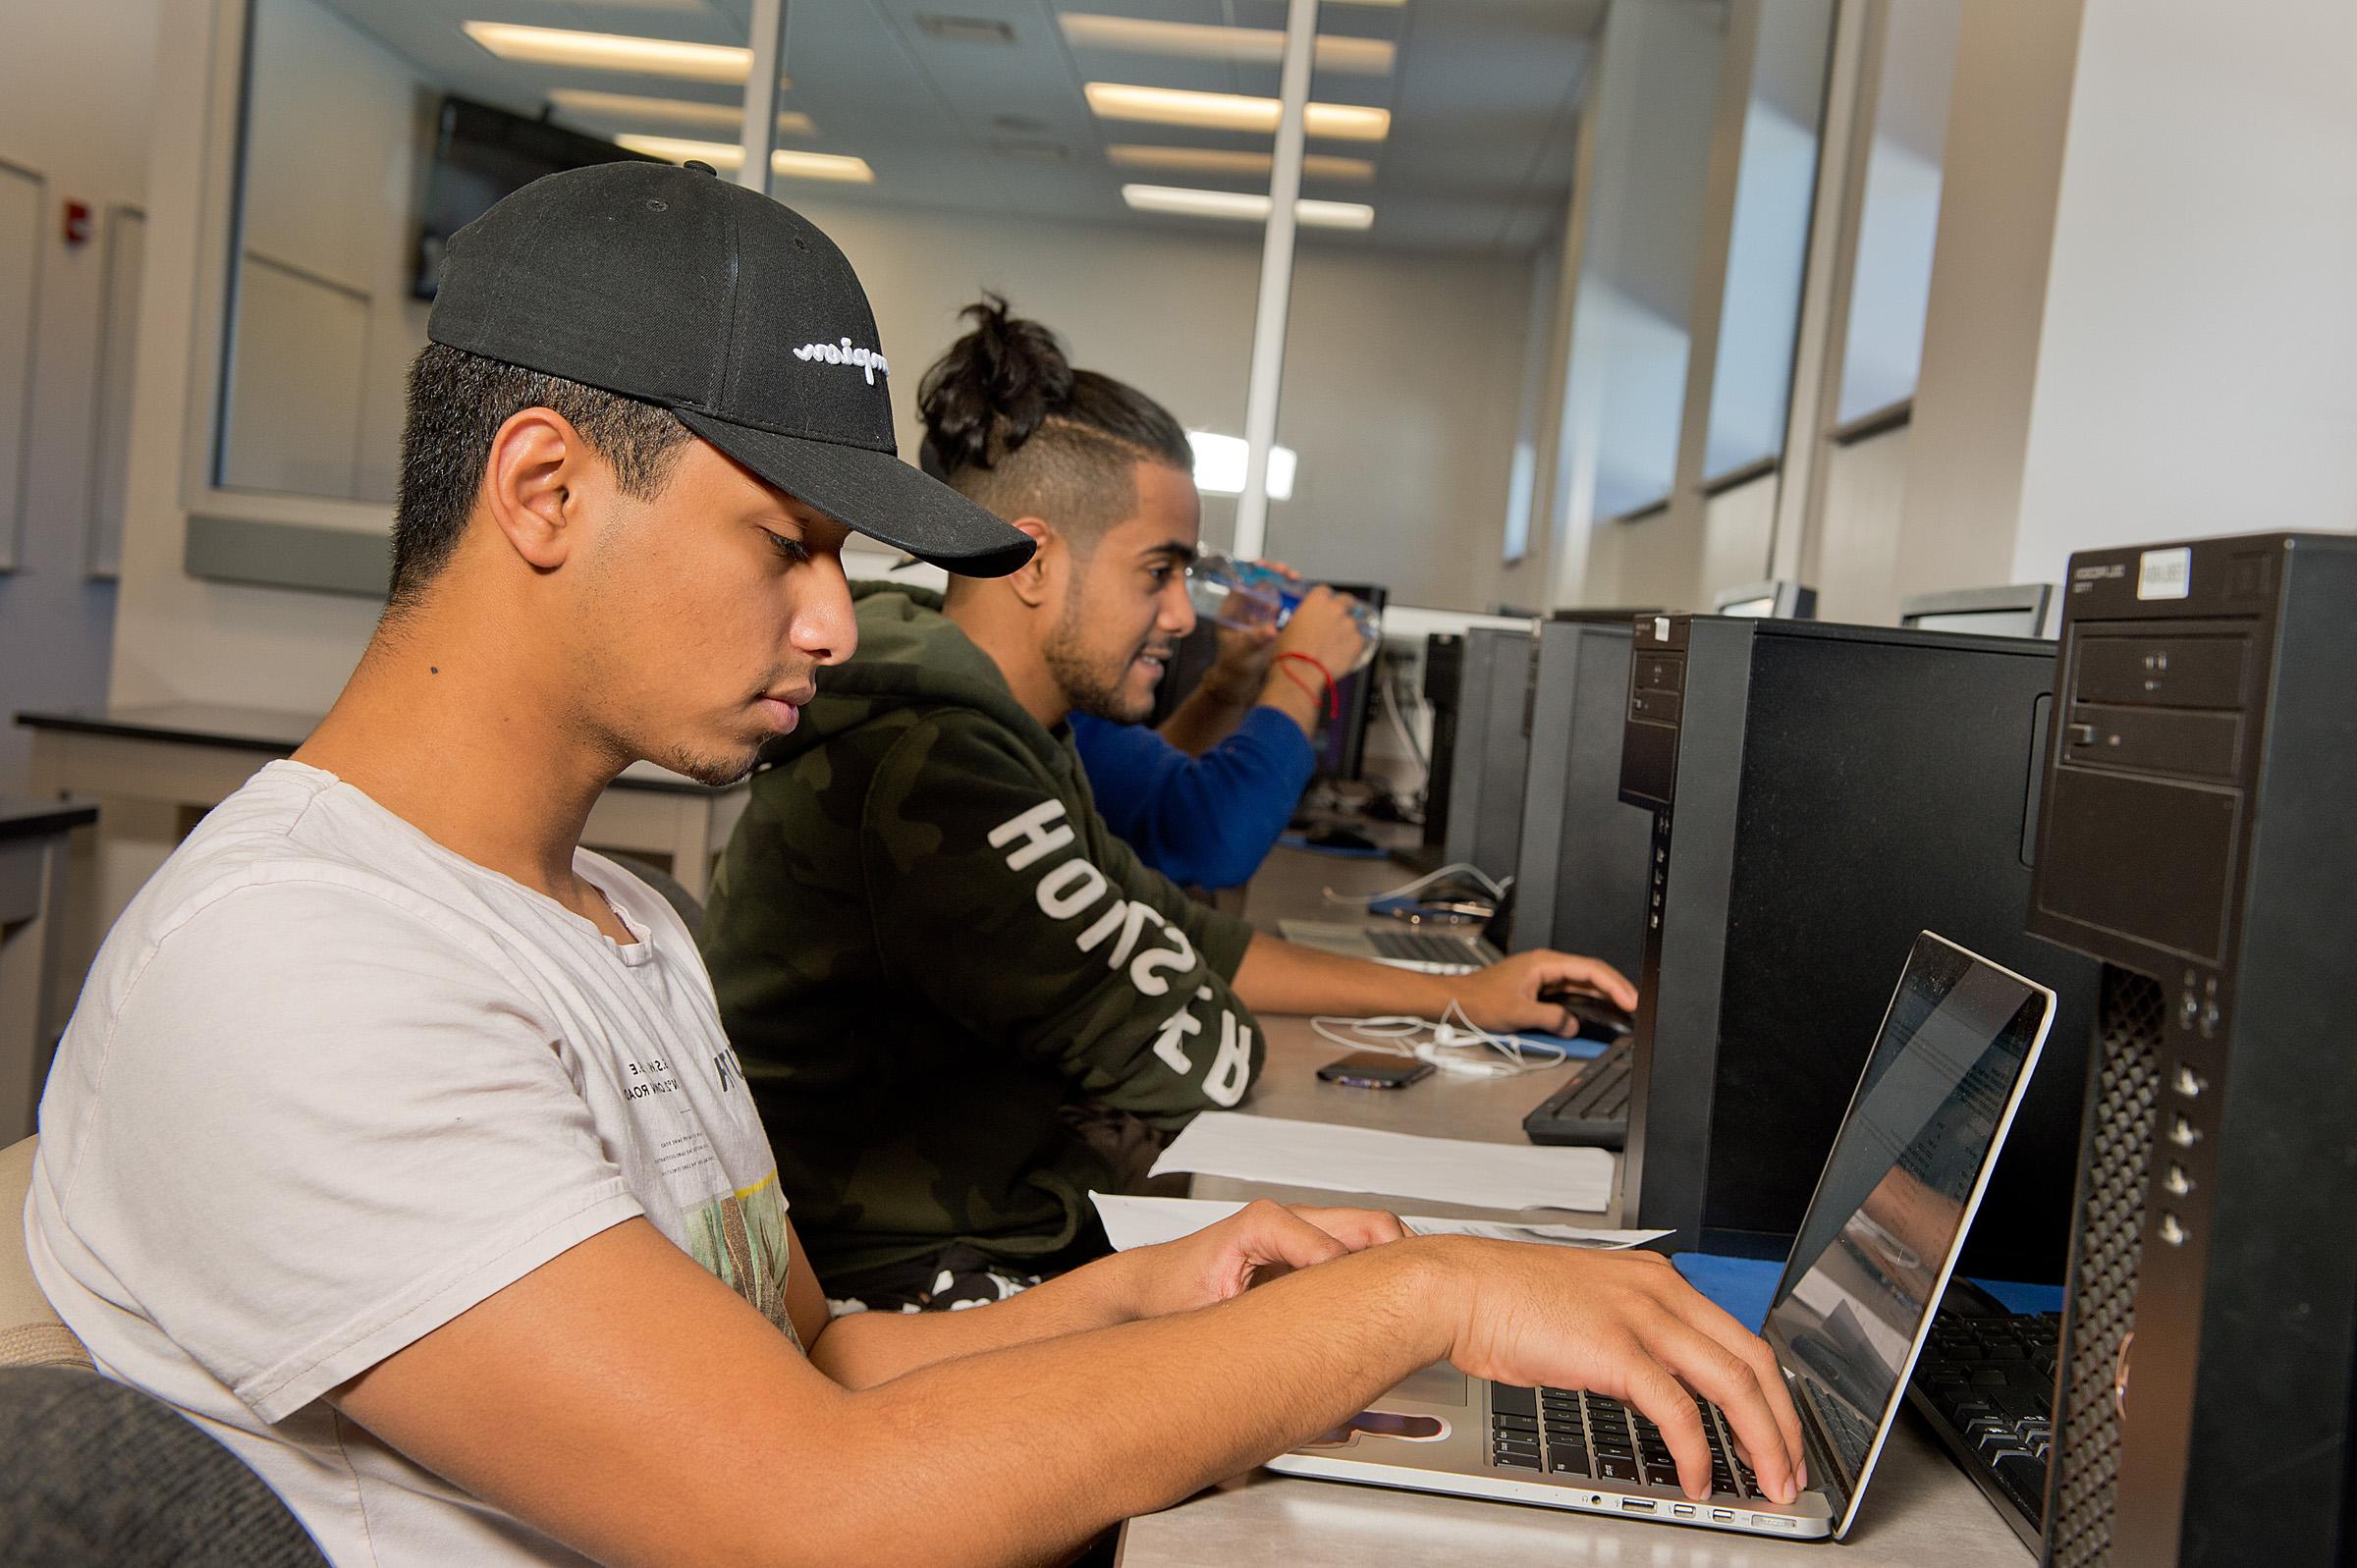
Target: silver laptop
{"points": [[1851, 1314], [1432, 952]]}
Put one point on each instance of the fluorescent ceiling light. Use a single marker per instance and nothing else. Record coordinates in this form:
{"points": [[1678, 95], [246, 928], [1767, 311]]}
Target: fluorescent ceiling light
{"points": [[1220, 160], [1191, 40], [726, 155], [633, 108], [613, 51], [1252, 206], [1230, 111], [1219, 466]]}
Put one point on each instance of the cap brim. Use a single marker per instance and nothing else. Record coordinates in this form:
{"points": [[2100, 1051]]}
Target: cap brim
{"points": [[877, 494]]}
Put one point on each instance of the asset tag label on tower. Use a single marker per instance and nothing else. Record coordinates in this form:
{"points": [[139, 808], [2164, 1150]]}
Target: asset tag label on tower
{"points": [[2164, 575]]}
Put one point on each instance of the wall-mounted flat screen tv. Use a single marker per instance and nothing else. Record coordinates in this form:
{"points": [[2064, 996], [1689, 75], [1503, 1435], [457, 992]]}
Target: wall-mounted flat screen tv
{"points": [[480, 155]]}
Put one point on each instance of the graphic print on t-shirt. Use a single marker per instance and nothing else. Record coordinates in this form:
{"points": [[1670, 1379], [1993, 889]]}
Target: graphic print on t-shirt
{"points": [[740, 1237]]}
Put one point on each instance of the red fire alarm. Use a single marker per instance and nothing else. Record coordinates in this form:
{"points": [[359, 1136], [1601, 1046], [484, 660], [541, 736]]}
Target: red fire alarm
{"points": [[77, 223]]}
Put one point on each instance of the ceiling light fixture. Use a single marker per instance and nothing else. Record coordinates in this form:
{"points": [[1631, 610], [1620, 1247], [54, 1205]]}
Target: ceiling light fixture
{"points": [[839, 166], [1221, 160], [613, 51], [1246, 205], [1194, 40], [1219, 463], [631, 108], [1231, 111]]}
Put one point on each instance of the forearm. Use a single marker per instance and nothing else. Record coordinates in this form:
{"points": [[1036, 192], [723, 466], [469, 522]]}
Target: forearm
{"points": [[1279, 976], [1022, 1455], [868, 1348], [1208, 716]]}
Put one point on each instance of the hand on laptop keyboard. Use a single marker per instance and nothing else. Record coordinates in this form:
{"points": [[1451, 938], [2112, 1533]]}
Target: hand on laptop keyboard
{"points": [[1507, 994], [1626, 1324]]}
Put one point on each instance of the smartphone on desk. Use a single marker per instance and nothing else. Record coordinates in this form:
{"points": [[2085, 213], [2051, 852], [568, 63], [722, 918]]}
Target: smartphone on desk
{"points": [[1375, 1069]]}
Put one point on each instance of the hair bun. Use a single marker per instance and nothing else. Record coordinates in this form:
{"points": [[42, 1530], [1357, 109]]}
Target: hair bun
{"points": [[994, 388]]}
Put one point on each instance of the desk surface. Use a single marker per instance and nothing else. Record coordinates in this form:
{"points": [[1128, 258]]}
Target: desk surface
{"points": [[20, 818], [1921, 1511], [270, 731]]}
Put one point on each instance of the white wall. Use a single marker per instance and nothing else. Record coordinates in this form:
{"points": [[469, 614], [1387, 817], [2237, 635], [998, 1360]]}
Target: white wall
{"points": [[2198, 367], [1855, 562], [74, 86]]}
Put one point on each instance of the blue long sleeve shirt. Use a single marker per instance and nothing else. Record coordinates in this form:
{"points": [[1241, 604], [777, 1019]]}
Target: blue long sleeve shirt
{"points": [[1207, 821]]}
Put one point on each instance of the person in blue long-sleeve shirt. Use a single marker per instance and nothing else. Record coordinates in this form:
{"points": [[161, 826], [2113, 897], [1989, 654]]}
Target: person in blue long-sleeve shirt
{"points": [[1203, 798]]}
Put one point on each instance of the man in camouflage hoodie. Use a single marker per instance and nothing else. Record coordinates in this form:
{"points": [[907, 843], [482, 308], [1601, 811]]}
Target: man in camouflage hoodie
{"points": [[951, 987]]}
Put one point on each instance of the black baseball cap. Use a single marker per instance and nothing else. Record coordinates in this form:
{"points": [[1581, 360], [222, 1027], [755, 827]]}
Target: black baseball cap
{"points": [[677, 288]]}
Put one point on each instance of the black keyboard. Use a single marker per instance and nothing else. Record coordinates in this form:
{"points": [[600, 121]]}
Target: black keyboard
{"points": [[1987, 1382], [1562, 1432], [1592, 1109], [1422, 946]]}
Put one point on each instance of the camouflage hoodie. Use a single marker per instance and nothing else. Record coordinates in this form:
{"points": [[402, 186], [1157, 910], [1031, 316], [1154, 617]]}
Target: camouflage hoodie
{"points": [[929, 950]]}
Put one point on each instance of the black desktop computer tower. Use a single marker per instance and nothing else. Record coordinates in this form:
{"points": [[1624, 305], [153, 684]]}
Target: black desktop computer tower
{"points": [[2198, 838], [1491, 750], [1820, 794], [1580, 878]]}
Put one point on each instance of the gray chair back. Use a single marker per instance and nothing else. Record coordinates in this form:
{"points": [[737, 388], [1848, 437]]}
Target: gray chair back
{"points": [[99, 1475]]}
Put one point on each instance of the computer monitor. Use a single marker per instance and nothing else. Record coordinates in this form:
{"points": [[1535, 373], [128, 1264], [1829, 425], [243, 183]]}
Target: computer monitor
{"points": [[1580, 874], [1821, 793], [1443, 676], [1775, 599], [2018, 611], [1492, 751], [1342, 738]]}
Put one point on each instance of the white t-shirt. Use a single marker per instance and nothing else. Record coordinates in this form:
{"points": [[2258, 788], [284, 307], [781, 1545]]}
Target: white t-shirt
{"points": [[329, 1085]]}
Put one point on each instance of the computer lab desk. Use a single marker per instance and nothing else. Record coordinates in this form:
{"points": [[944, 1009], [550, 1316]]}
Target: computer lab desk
{"points": [[154, 768], [1920, 1512], [192, 754]]}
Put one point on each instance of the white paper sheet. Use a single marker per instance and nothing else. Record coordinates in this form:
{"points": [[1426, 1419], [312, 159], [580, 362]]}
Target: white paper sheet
{"points": [[1339, 1159], [1143, 1221]]}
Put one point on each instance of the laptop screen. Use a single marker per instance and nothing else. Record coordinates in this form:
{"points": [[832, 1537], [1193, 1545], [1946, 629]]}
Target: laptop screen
{"points": [[1905, 1172]]}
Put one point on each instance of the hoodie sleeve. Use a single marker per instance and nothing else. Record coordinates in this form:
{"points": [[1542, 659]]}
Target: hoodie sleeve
{"points": [[1208, 819], [1030, 929]]}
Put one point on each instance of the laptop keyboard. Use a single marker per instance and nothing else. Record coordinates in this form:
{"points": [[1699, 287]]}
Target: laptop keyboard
{"points": [[1564, 1432], [1422, 946], [1592, 1109], [1990, 1382]]}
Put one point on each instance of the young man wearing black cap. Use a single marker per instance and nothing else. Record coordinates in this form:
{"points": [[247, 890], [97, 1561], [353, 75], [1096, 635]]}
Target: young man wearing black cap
{"points": [[395, 1139]]}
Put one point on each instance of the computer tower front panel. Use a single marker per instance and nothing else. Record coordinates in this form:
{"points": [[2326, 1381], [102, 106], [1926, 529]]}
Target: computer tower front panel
{"points": [[1681, 759], [1580, 880], [2197, 836]]}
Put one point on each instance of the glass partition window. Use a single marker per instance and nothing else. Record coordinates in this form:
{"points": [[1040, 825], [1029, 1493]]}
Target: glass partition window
{"points": [[372, 129], [1767, 245], [1900, 211]]}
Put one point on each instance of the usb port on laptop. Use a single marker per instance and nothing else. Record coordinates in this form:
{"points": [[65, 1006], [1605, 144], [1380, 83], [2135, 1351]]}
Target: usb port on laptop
{"points": [[1639, 1505]]}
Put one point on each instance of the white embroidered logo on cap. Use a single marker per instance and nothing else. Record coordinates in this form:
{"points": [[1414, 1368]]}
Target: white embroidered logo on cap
{"points": [[870, 363]]}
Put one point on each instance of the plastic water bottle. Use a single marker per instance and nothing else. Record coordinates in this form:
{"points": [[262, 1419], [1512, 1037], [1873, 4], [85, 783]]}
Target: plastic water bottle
{"points": [[1246, 594]]}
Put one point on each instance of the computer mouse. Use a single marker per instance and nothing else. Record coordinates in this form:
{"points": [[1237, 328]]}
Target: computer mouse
{"points": [[1596, 1018]]}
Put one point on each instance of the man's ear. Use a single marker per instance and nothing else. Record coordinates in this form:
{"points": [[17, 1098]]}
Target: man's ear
{"points": [[531, 485], [1033, 581]]}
